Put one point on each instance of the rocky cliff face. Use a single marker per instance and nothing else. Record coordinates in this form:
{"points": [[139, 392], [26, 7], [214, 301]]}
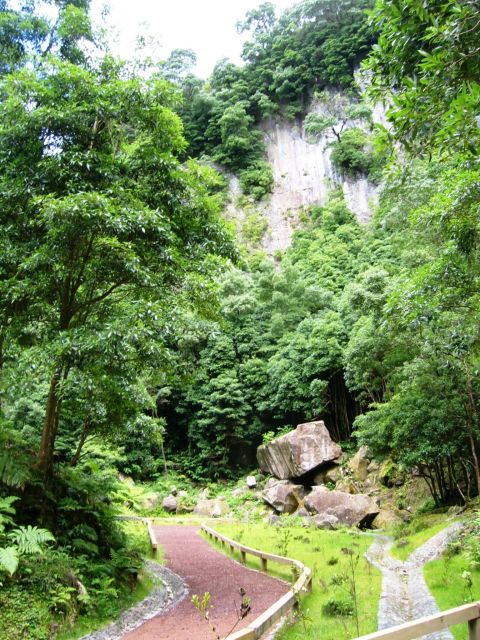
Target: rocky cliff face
{"points": [[303, 176]]}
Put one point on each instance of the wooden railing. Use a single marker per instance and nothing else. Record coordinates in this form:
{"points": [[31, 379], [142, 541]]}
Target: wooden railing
{"points": [[285, 604], [468, 613]]}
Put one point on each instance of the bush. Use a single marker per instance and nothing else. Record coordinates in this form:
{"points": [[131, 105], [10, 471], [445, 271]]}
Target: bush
{"points": [[338, 606], [350, 154], [257, 180]]}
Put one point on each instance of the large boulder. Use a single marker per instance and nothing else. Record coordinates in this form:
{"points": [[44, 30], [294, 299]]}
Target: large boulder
{"points": [[170, 504], [349, 509], [282, 495], [211, 508], [359, 464], [302, 450]]}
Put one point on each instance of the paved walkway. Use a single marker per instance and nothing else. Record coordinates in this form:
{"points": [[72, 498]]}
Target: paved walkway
{"points": [[205, 569], [405, 595]]}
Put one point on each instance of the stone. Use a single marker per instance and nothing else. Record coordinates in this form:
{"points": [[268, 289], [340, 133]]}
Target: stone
{"points": [[170, 504], [211, 508], [373, 467], [151, 501], [127, 479], [352, 510], [282, 495], [326, 521], [273, 519], [301, 451], [359, 464], [251, 482], [386, 518], [183, 494], [204, 493], [346, 486], [239, 491], [173, 491], [301, 512]]}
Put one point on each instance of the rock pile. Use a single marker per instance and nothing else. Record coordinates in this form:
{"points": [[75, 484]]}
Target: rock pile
{"points": [[305, 464]]}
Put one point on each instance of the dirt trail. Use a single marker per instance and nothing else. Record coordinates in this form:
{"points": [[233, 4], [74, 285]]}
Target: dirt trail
{"points": [[205, 569], [405, 595]]}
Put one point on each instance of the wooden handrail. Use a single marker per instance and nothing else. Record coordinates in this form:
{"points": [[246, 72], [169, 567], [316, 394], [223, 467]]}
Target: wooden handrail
{"points": [[267, 619], [422, 626]]}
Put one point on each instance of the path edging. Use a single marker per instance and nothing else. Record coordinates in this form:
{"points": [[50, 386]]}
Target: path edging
{"points": [[284, 605]]}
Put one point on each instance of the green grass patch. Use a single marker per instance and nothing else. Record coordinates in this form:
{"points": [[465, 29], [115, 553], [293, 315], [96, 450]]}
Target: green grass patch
{"points": [[450, 586], [412, 535], [328, 611]]}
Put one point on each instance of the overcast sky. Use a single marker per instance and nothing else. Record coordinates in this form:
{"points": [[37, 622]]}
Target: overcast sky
{"points": [[206, 26]]}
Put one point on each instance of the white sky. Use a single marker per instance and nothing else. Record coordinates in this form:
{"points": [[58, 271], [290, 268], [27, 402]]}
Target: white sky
{"points": [[206, 26]]}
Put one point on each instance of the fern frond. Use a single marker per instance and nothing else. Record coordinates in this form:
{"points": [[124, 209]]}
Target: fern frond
{"points": [[29, 540], [14, 470], [9, 559]]}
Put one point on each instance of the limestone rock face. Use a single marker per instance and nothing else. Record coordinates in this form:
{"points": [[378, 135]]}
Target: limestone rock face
{"points": [[282, 495], [170, 504], [302, 450], [211, 508], [349, 509]]}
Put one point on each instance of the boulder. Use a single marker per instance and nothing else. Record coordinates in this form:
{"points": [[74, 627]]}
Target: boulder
{"points": [[386, 518], [359, 464], [211, 508], [349, 509], [326, 521], [170, 504], [346, 486], [282, 495], [251, 482], [151, 501], [302, 450]]}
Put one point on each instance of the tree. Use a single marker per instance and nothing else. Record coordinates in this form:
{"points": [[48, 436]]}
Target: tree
{"points": [[426, 65], [98, 218]]}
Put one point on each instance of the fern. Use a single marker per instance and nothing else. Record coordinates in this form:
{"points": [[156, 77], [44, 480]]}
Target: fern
{"points": [[14, 469], [29, 540], [9, 559]]}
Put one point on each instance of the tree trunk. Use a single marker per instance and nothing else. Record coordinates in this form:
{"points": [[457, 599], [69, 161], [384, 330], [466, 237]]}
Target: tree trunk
{"points": [[50, 424], [472, 423], [83, 437]]}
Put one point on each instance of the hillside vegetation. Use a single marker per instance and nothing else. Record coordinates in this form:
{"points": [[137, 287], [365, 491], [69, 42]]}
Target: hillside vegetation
{"points": [[138, 335]]}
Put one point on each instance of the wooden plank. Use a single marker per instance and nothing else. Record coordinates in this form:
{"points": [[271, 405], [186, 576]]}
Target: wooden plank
{"points": [[428, 624]]}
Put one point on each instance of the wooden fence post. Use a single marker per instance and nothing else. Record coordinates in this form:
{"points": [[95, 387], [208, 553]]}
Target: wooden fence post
{"points": [[474, 629]]}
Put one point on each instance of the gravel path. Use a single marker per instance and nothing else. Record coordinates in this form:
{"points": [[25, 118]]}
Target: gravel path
{"points": [[405, 595], [205, 569], [166, 594]]}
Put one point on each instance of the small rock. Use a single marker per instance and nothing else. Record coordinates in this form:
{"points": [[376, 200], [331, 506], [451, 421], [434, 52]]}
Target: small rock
{"points": [[204, 493], [326, 521], [183, 494], [173, 491], [239, 491], [273, 519], [170, 504], [251, 482]]}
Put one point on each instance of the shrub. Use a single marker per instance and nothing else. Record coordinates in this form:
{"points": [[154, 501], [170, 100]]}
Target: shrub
{"points": [[338, 606], [257, 180], [350, 154]]}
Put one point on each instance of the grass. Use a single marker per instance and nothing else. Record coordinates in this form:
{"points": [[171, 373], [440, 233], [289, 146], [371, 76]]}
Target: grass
{"points": [[322, 552], [411, 536], [450, 589]]}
